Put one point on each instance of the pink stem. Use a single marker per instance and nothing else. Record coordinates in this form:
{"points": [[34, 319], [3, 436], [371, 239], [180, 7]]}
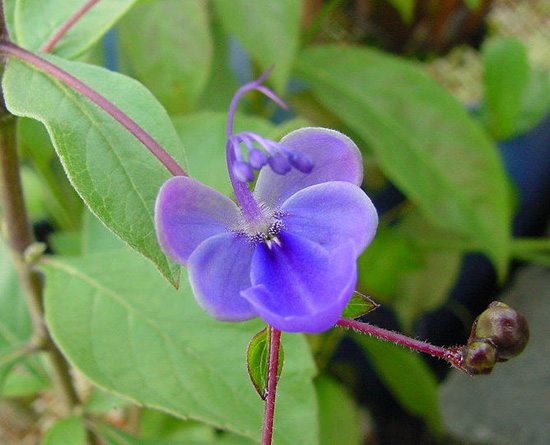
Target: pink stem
{"points": [[274, 345], [56, 37], [107, 106], [452, 355]]}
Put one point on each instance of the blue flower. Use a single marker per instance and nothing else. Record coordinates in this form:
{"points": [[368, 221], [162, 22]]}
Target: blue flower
{"points": [[286, 252]]}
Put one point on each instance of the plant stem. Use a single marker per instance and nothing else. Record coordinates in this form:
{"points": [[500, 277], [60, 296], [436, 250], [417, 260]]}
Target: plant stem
{"points": [[274, 346], [56, 37], [452, 355], [139, 133], [19, 238]]}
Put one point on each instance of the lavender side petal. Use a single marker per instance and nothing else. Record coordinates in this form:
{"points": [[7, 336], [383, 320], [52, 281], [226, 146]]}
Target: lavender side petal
{"points": [[335, 157], [331, 214], [188, 212], [298, 286], [218, 270]]}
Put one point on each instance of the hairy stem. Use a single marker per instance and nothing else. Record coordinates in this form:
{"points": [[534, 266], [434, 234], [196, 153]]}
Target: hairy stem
{"points": [[452, 355], [274, 346], [56, 37], [139, 133]]}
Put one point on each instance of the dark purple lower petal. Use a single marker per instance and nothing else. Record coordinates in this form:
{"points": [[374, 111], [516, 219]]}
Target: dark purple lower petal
{"points": [[298, 286], [219, 269], [331, 214], [187, 212]]}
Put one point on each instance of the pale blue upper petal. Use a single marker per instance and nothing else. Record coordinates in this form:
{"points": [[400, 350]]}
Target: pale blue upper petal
{"points": [[219, 269], [331, 214], [335, 157], [187, 212], [298, 286]]}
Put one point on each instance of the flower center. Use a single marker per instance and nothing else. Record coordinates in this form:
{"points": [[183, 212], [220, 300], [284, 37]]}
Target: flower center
{"points": [[264, 230]]}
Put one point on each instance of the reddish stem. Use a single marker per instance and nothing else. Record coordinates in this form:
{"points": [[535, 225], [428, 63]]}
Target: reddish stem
{"points": [[452, 355], [274, 346], [56, 37], [107, 106]]}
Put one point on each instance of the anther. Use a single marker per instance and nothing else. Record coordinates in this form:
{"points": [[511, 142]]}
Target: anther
{"points": [[257, 158], [243, 171], [279, 164], [300, 162]]}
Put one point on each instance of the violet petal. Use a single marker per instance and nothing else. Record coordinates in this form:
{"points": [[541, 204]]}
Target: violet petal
{"points": [[335, 157], [218, 270], [298, 286], [331, 214], [188, 212]]}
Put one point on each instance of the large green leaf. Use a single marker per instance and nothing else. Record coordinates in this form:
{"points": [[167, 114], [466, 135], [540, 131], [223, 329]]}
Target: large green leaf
{"points": [[116, 175], [128, 331], [423, 139], [37, 20], [505, 78], [168, 47], [269, 31], [408, 378]]}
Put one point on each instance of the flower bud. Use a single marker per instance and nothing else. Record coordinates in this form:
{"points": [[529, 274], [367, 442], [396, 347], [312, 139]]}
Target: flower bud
{"points": [[505, 327], [479, 357]]}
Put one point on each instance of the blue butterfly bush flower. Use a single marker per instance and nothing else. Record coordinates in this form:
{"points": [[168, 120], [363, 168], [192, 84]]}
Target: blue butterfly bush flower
{"points": [[286, 252]]}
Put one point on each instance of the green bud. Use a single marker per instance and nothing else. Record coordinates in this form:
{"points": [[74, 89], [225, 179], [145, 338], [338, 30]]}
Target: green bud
{"points": [[505, 327], [479, 357]]}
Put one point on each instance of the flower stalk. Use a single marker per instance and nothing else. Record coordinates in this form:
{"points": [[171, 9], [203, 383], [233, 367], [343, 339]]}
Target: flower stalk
{"points": [[272, 379], [452, 355]]}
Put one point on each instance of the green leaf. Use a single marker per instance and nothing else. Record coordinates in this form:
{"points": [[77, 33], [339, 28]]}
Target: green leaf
{"points": [[22, 383], [358, 306], [204, 135], [120, 324], [338, 414], [505, 78], [423, 139], [15, 323], [37, 20], [96, 238], [61, 201], [67, 431], [116, 176], [535, 102], [408, 378], [168, 47], [268, 30], [257, 361], [405, 8]]}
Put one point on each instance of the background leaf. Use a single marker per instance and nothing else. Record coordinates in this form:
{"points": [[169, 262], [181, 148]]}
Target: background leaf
{"points": [[129, 332], [505, 78], [422, 138], [338, 414], [268, 30], [408, 378], [15, 323], [37, 20], [115, 175], [68, 431], [170, 57]]}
